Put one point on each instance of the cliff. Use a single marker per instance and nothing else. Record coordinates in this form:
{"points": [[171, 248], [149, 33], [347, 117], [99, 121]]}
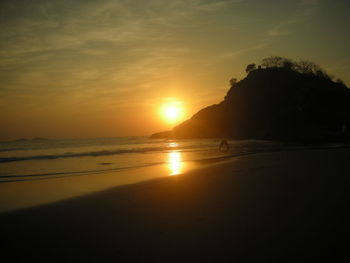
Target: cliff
{"points": [[277, 103]]}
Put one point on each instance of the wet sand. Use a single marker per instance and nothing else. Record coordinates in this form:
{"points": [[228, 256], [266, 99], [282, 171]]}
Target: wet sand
{"points": [[279, 207], [25, 194]]}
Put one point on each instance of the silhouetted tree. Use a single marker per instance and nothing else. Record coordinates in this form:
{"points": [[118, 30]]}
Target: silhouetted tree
{"points": [[250, 68], [233, 82], [307, 67], [272, 62], [322, 74], [341, 82], [303, 66], [278, 62], [288, 64]]}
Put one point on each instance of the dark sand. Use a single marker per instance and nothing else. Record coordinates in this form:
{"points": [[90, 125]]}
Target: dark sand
{"points": [[271, 207]]}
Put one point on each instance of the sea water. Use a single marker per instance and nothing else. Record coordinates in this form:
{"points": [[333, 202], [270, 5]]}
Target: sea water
{"points": [[40, 171], [36, 159]]}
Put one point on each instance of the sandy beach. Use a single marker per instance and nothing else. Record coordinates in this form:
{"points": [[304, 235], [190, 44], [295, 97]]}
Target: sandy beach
{"points": [[284, 206]]}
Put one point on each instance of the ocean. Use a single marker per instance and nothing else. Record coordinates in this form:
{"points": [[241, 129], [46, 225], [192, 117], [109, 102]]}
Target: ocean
{"points": [[40, 171], [37, 159]]}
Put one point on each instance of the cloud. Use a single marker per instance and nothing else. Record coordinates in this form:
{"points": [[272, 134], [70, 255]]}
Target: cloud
{"points": [[218, 5], [91, 50], [305, 11], [47, 32], [110, 50]]}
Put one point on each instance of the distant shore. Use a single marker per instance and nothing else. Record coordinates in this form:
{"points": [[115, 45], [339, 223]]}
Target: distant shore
{"points": [[282, 206]]}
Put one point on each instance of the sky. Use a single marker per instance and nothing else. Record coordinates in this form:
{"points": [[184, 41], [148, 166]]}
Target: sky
{"points": [[103, 68]]}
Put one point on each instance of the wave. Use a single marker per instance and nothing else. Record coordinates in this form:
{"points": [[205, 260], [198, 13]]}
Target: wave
{"points": [[53, 175], [201, 159], [16, 149], [97, 153]]}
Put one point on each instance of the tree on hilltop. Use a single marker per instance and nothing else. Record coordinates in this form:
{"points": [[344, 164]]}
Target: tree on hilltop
{"points": [[302, 66], [272, 62], [250, 67]]}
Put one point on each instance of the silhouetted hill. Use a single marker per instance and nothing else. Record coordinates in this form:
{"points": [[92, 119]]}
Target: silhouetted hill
{"points": [[278, 102]]}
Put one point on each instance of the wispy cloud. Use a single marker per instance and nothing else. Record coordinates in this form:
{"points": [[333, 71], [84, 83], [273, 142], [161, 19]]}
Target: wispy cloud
{"points": [[52, 31], [217, 5], [54, 49], [306, 9]]}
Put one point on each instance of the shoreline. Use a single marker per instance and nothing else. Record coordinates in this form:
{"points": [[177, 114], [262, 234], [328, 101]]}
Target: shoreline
{"points": [[286, 206], [28, 196]]}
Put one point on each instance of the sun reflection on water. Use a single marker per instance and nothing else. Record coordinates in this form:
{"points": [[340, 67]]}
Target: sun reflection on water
{"points": [[173, 144], [175, 163]]}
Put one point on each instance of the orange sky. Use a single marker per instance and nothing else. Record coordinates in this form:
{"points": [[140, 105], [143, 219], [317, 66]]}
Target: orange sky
{"points": [[104, 68]]}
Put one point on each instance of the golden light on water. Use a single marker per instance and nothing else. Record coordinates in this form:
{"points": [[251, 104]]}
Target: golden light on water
{"points": [[173, 144], [175, 164]]}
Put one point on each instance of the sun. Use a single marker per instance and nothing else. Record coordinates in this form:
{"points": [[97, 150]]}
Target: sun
{"points": [[172, 112]]}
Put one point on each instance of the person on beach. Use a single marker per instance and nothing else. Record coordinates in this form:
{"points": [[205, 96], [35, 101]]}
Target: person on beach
{"points": [[224, 147]]}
